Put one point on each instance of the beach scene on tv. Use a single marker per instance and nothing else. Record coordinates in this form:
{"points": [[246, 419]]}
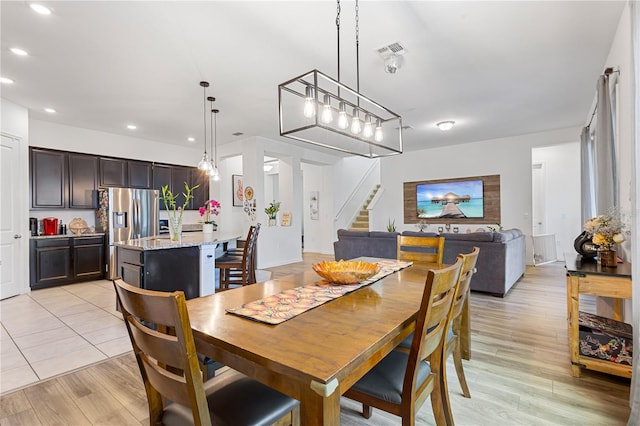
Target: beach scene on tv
{"points": [[450, 200]]}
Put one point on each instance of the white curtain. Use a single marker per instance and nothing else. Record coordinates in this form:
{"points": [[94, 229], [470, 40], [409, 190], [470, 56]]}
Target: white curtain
{"points": [[634, 418], [587, 183], [606, 178]]}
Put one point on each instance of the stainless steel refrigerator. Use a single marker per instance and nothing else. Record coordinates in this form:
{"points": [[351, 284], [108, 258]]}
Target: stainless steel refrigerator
{"points": [[126, 214]]}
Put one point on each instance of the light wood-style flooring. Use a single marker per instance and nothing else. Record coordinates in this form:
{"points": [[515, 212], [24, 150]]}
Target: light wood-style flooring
{"points": [[519, 373]]}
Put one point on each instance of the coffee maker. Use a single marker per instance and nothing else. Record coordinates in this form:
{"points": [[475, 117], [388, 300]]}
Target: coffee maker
{"points": [[33, 226]]}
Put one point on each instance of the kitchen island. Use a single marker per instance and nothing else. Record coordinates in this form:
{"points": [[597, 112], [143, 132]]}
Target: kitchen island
{"points": [[157, 263]]}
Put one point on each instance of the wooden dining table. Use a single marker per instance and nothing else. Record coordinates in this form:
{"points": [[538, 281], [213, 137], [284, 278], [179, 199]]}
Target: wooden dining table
{"points": [[316, 356]]}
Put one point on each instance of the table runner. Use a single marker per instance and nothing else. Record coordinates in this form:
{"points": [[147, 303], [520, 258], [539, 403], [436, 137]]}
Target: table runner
{"points": [[293, 302]]}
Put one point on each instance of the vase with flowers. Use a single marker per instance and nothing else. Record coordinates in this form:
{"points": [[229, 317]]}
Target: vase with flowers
{"points": [[606, 231], [211, 207], [174, 211]]}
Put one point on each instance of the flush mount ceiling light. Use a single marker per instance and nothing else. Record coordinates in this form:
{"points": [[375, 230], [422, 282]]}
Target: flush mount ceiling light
{"points": [[309, 102], [18, 51], [132, 126], [191, 139], [445, 125], [50, 110], [204, 164], [41, 9], [6, 80]]}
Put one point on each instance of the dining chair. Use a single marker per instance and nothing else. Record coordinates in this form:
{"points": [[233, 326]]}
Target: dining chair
{"points": [[164, 347], [240, 269], [400, 382], [453, 344], [421, 250]]}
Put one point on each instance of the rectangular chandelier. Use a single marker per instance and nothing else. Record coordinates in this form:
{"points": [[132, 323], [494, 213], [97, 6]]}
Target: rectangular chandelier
{"points": [[319, 110]]}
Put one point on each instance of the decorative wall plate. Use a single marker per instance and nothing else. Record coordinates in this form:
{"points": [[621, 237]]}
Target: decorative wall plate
{"points": [[248, 193]]}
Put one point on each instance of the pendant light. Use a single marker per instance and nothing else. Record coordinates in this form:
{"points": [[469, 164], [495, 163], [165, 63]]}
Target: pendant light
{"points": [[211, 100], [309, 103], [215, 173], [204, 164]]}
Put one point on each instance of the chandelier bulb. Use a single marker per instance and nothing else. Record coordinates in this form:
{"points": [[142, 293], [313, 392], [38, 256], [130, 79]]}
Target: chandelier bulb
{"points": [[367, 130], [343, 119], [356, 123], [378, 136], [327, 113], [215, 173], [309, 103]]}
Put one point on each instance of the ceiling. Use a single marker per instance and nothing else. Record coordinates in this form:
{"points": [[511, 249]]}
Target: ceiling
{"points": [[497, 68]]}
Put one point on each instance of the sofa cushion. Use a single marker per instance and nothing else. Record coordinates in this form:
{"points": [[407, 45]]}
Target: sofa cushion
{"points": [[382, 234], [507, 235], [343, 233], [419, 234], [471, 236]]}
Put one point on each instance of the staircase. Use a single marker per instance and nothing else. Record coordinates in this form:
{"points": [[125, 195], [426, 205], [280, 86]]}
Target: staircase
{"points": [[362, 220]]}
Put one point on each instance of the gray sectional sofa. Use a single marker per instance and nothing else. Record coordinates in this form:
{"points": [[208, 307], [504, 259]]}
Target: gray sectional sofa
{"points": [[501, 261]]}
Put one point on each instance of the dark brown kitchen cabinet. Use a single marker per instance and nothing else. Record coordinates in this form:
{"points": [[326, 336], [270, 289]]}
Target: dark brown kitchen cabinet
{"points": [[65, 260], [83, 181], [88, 257], [180, 176], [140, 174], [113, 172], [202, 193], [175, 177], [161, 177], [49, 187]]}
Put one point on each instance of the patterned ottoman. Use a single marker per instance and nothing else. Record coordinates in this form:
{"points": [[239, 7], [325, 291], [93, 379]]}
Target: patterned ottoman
{"points": [[605, 338]]}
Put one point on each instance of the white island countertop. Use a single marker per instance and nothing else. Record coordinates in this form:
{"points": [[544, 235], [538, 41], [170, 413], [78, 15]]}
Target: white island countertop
{"points": [[189, 239]]}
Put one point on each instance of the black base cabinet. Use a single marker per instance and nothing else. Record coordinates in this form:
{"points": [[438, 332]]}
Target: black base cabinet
{"points": [[65, 260], [161, 270]]}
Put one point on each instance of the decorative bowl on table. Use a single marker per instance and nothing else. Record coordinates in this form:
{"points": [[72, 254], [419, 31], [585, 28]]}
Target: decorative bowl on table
{"points": [[346, 272]]}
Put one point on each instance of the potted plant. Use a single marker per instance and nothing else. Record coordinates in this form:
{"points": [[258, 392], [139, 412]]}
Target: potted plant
{"points": [[391, 226], [272, 211], [173, 211], [210, 207]]}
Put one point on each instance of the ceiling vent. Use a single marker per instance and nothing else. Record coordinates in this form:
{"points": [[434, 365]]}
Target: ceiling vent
{"points": [[392, 56]]}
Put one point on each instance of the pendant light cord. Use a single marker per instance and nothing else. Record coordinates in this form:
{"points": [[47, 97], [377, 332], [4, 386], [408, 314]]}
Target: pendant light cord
{"points": [[204, 114], [358, 50], [338, 38]]}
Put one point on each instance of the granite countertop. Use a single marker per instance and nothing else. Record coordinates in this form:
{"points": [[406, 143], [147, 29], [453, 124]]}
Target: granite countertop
{"points": [[41, 237], [190, 239]]}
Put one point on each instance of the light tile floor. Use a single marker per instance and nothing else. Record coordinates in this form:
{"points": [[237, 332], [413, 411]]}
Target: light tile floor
{"points": [[53, 331]]}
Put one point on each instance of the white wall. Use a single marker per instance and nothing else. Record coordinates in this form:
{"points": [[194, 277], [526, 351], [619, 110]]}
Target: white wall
{"points": [[508, 157], [318, 234], [561, 165]]}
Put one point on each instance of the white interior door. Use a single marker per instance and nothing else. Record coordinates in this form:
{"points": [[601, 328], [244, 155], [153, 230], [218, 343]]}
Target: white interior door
{"points": [[11, 239], [538, 202]]}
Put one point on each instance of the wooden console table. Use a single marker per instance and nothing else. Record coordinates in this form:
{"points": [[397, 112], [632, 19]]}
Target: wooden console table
{"points": [[588, 277]]}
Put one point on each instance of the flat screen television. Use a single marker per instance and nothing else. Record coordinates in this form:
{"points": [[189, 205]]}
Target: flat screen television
{"points": [[450, 200]]}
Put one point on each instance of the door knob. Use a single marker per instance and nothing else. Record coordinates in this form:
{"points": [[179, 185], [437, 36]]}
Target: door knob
{"points": [[17, 236]]}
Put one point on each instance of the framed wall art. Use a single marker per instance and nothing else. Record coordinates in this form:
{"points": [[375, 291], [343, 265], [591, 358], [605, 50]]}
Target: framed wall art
{"points": [[237, 189]]}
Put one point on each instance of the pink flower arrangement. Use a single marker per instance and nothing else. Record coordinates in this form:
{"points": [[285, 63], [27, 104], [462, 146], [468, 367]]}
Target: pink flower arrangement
{"points": [[210, 207]]}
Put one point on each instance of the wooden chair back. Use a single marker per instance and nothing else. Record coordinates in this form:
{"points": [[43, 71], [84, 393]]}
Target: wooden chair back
{"points": [[250, 253], [435, 312], [421, 250], [160, 332], [468, 269]]}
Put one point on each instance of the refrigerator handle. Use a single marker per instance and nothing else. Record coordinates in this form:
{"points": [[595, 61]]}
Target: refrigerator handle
{"points": [[136, 219]]}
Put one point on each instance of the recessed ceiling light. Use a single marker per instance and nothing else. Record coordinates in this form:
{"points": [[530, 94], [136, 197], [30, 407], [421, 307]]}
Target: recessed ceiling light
{"points": [[6, 80], [50, 110], [445, 125], [132, 127], [42, 10], [18, 51], [191, 139]]}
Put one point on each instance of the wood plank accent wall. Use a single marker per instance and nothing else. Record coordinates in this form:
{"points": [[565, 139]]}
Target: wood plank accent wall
{"points": [[491, 187]]}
